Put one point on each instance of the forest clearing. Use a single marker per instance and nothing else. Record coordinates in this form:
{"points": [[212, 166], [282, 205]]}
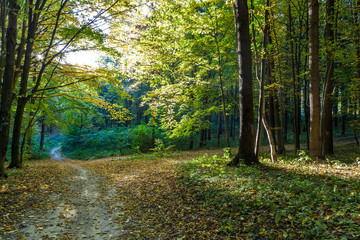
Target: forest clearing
{"points": [[184, 195]]}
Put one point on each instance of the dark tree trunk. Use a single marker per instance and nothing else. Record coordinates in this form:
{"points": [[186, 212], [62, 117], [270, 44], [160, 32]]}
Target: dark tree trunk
{"points": [[314, 86], [246, 134], [8, 85], [327, 119], [42, 134], [2, 40], [219, 128], [344, 110]]}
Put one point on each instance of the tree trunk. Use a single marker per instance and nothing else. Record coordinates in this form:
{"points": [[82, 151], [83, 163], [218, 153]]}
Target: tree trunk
{"points": [[314, 86], [2, 40], [344, 110], [42, 134], [8, 85], [327, 119], [218, 135], [23, 99], [295, 87], [246, 134]]}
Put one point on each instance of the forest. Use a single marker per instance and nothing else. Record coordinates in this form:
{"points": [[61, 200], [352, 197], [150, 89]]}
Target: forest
{"points": [[244, 114]]}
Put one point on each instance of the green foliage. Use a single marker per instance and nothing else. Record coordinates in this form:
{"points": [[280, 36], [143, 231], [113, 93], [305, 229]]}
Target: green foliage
{"points": [[85, 143], [296, 201], [141, 138]]}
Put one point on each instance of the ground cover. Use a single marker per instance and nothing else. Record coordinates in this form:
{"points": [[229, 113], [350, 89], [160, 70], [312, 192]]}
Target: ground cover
{"points": [[184, 195]]}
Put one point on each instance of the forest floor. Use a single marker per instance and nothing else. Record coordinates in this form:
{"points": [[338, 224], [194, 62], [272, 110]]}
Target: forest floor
{"points": [[150, 197], [73, 199]]}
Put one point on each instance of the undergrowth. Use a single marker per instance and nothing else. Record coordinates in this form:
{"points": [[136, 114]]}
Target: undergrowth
{"points": [[293, 199]]}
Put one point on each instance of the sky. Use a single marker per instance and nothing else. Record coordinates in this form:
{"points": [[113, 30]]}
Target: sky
{"points": [[89, 58]]}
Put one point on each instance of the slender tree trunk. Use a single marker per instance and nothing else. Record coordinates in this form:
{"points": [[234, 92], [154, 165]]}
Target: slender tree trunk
{"points": [[3, 5], [295, 86], [327, 119], [306, 87], [344, 110], [209, 130], [275, 102], [8, 85], [336, 107], [246, 133], [314, 86], [219, 129], [42, 134], [222, 94]]}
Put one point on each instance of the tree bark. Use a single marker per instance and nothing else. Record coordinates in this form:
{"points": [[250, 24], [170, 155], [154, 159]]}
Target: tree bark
{"points": [[8, 85], [42, 134], [314, 83], [2, 40], [295, 87], [219, 128], [23, 98], [327, 118], [246, 134]]}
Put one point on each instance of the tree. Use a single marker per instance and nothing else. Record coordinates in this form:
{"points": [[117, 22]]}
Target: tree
{"points": [[247, 132], [8, 83], [327, 116], [314, 87]]}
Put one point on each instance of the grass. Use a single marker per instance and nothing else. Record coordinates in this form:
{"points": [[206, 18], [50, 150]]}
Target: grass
{"points": [[295, 198]]}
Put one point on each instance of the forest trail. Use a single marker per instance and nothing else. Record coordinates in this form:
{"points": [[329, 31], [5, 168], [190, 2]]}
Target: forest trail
{"points": [[88, 210]]}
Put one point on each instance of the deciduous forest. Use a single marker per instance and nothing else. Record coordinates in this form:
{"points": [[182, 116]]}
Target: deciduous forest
{"points": [[179, 119]]}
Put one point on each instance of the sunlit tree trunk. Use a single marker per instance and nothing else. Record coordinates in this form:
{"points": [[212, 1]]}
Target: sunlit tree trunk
{"points": [[246, 135], [8, 84], [314, 86]]}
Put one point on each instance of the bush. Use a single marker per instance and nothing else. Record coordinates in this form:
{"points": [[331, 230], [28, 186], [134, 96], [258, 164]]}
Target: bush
{"points": [[141, 138]]}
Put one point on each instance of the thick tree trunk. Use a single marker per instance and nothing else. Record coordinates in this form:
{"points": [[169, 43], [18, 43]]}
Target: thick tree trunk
{"points": [[8, 85], [314, 86], [246, 134], [327, 119]]}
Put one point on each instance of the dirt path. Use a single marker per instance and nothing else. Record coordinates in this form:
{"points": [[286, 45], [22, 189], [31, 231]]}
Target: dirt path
{"points": [[88, 211]]}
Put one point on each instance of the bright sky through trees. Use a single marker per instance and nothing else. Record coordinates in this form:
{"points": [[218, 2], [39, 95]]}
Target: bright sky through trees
{"points": [[89, 58]]}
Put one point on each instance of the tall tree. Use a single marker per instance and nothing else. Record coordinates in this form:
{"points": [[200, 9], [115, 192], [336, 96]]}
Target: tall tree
{"points": [[314, 83], [247, 130], [327, 112], [8, 84], [33, 18]]}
